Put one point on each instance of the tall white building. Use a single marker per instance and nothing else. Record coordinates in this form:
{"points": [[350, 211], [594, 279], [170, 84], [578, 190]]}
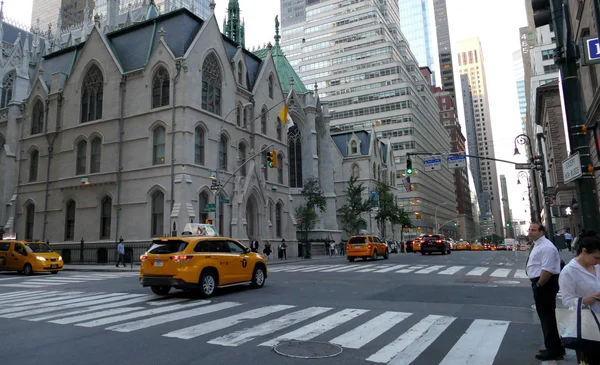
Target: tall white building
{"points": [[519, 73], [46, 11], [356, 55], [470, 60]]}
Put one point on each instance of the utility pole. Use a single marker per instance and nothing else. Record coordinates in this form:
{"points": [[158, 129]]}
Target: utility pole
{"points": [[542, 166], [566, 55]]}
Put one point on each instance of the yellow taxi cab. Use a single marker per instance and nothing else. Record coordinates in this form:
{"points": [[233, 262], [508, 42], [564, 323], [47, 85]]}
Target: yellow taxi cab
{"points": [[29, 257], [366, 246], [462, 245], [417, 245], [477, 247], [200, 260]]}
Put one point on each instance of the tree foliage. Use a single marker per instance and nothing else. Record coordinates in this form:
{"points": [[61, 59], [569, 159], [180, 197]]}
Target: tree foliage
{"points": [[350, 213], [307, 212]]}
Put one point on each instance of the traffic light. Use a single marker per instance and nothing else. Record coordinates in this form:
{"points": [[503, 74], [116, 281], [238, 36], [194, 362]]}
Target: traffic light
{"points": [[507, 224], [409, 168], [541, 12], [272, 159], [455, 224]]}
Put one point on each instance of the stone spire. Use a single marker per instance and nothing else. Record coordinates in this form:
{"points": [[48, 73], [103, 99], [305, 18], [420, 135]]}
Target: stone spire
{"points": [[86, 28], [234, 27], [59, 24], [26, 54], [212, 6]]}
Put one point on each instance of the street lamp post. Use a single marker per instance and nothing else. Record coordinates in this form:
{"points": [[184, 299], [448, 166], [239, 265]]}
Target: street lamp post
{"points": [[436, 209], [524, 139], [521, 175]]}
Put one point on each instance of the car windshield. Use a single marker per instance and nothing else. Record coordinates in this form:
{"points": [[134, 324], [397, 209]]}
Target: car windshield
{"points": [[357, 240], [170, 246], [38, 247]]}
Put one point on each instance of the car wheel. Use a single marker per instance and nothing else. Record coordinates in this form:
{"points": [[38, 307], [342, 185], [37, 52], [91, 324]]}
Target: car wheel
{"points": [[386, 255], [258, 277], [374, 257], [54, 272], [208, 284], [27, 269], [351, 259], [160, 290]]}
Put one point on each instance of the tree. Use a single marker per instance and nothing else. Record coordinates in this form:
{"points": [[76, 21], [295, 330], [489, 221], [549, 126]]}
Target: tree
{"points": [[402, 219], [386, 206], [350, 213], [306, 213]]}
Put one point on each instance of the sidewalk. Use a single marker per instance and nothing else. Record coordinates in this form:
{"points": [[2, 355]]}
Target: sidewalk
{"points": [[136, 266]]}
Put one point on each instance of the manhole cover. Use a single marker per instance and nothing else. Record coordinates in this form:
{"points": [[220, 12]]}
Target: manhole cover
{"points": [[307, 349], [507, 282]]}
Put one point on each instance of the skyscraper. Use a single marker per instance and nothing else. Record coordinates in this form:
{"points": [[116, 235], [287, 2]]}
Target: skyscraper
{"points": [[444, 45], [506, 208], [519, 73], [360, 63], [470, 60], [416, 27], [46, 11]]}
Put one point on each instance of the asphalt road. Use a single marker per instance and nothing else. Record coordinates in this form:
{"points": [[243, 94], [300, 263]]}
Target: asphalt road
{"points": [[465, 308]]}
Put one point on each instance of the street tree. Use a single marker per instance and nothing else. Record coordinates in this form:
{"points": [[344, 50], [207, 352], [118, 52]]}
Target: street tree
{"points": [[402, 219], [350, 213], [306, 213], [386, 205]]}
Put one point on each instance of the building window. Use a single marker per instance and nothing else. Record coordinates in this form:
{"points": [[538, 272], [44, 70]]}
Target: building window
{"points": [[34, 160], [280, 169], [239, 115], [202, 202], [199, 146], [70, 221], [278, 213], [240, 71], [81, 157], [211, 85], [279, 129], [158, 212], [158, 146], [92, 94], [160, 88], [295, 156], [353, 147], [242, 157], [37, 118], [105, 217], [223, 141], [355, 171], [8, 85], [96, 154], [271, 86], [29, 222], [263, 120]]}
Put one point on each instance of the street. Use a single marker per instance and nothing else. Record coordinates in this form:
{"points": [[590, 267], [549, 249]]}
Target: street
{"points": [[464, 308]]}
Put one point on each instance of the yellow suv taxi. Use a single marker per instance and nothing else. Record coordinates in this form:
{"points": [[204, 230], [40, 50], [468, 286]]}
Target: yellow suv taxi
{"points": [[29, 257], [365, 246], [200, 259]]}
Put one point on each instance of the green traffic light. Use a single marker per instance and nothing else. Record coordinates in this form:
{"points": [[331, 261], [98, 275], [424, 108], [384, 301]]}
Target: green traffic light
{"points": [[409, 171], [270, 164]]}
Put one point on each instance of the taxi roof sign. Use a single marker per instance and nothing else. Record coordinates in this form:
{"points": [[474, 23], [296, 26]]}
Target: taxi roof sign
{"points": [[200, 229]]}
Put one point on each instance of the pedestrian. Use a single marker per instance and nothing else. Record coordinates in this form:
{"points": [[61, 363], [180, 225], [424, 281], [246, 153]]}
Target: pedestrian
{"points": [[580, 278], [331, 248], [342, 248], [568, 239], [283, 248], [121, 253], [254, 245], [267, 250], [543, 268]]}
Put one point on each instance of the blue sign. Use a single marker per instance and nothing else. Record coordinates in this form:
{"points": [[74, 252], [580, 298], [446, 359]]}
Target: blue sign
{"points": [[592, 50], [433, 164], [456, 161], [456, 158]]}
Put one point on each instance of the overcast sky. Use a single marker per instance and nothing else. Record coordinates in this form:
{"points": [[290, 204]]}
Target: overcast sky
{"points": [[497, 27]]}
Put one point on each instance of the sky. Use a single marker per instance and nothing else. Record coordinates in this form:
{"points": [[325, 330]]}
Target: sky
{"points": [[496, 26]]}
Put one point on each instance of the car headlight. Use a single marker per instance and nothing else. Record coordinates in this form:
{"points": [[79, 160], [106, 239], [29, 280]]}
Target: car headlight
{"points": [[40, 258], [59, 258]]}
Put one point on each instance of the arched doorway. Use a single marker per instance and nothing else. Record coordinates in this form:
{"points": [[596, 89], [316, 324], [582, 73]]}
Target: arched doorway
{"points": [[252, 217]]}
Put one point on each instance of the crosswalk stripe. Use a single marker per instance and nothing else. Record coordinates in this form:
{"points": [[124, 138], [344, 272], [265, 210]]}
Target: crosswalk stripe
{"points": [[370, 269], [35, 309], [451, 270], [370, 330], [520, 274], [430, 269], [171, 317], [356, 268], [222, 323], [478, 345], [127, 299], [319, 268], [317, 328], [34, 302], [168, 301], [478, 271], [250, 333], [284, 268], [23, 285], [16, 294], [19, 298], [4, 279], [54, 281], [410, 269], [406, 348], [501, 273], [144, 313], [87, 317], [339, 267], [391, 268]]}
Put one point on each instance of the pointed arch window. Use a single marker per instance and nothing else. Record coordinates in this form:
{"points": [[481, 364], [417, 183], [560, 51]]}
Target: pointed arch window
{"points": [[158, 146], [242, 157], [92, 95], [211, 85], [70, 220], [105, 217], [202, 203], [199, 146], [355, 171], [279, 169], [278, 214], [29, 221], [160, 88], [295, 156], [353, 147], [271, 86], [81, 158], [8, 85], [263, 120], [239, 115], [37, 118], [96, 155], [279, 129], [158, 214], [240, 70], [223, 142], [34, 160]]}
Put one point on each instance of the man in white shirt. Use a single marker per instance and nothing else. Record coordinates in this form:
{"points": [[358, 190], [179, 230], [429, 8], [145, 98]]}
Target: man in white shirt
{"points": [[121, 253], [543, 267]]}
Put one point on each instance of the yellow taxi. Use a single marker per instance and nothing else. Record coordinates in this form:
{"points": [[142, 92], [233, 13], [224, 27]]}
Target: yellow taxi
{"points": [[200, 260], [477, 247], [416, 246], [366, 246], [29, 257], [462, 246]]}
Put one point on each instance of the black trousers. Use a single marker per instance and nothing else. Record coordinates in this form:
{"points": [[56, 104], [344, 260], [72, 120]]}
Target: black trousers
{"points": [[545, 305]]}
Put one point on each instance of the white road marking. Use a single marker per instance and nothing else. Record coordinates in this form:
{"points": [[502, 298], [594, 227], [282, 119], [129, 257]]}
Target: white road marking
{"points": [[451, 270], [501, 273], [478, 271], [370, 330], [391, 268], [478, 345], [430, 269], [520, 274]]}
